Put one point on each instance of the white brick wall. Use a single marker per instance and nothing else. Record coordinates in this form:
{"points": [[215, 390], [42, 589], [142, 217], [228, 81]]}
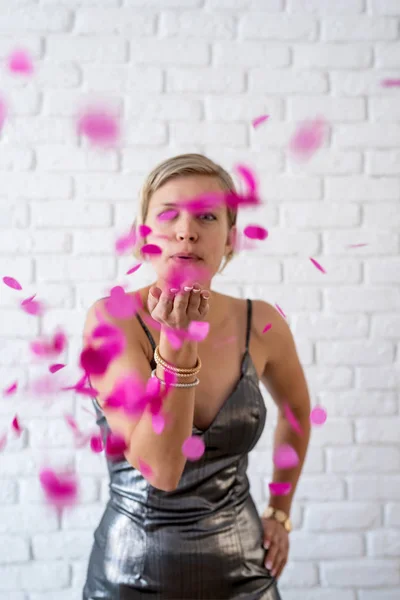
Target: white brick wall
{"points": [[190, 75]]}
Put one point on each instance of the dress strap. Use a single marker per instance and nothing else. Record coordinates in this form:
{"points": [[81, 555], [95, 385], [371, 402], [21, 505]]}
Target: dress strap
{"points": [[146, 329], [249, 313]]}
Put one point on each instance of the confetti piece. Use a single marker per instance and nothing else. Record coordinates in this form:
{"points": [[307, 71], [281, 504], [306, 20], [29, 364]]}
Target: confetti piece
{"points": [[248, 176], [55, 346], [115, 445], [193, 447], [145, 469], [96, 443], [12, 283], [11, 389], [151, 249], [120, 304], [134, 269], [198, 330], [258, 120], [95, 361], [292, 419], [280, 488], [20, 62], [167, 215], [267, 327], [308, 138], [60, 488], [99, 125], [391, 83], [356, 245], [3, 112], [280, 310], [318, 415], [126, 242], [285, 457], [56, 367], [16, 426], [3, 441], [144, 230], [255, 232], [317, 265], [33, 307], [158, 421]]}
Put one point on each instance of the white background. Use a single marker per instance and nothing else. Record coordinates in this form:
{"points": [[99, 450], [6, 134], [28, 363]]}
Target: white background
{"points": [[190, 75]]}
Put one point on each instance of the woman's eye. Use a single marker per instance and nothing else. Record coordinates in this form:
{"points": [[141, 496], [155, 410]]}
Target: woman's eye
{"points": [[208, 215]]}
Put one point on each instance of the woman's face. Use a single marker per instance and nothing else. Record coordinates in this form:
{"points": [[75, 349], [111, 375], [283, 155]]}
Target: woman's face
{"points": [[204, 233]]}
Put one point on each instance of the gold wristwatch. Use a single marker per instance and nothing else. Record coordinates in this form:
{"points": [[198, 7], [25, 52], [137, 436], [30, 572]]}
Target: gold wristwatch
{"points": [[278, 515]]}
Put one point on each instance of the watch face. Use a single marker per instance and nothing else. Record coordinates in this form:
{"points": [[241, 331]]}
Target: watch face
{"points": [[280, 516]]}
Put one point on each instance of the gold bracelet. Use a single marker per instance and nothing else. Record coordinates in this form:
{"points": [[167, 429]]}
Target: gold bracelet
{"points": [[181, 372], [279, 515]]}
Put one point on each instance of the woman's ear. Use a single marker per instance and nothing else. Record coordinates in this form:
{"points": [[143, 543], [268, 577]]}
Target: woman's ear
{"points": [[232, 238]]}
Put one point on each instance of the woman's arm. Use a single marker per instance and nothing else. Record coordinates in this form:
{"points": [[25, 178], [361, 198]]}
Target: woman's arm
{"points": [[284, 379]]}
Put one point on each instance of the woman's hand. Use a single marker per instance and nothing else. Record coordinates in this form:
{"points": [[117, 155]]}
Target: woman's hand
{"points": [[276, 541], [177, 308]]}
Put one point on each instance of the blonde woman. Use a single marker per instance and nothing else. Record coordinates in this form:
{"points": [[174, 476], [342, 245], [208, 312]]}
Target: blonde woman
{"points": [[191, 530]]}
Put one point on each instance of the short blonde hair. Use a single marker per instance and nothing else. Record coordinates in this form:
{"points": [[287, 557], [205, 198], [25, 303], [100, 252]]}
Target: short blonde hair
{"points": [[180, 166]]}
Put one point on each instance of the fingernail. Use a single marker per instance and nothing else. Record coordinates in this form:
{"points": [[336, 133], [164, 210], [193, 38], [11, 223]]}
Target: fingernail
{"points": [[266, 545], [188, 288], [273, 573], [196, 289], [205, 295], [174, 290], [268, 565]]}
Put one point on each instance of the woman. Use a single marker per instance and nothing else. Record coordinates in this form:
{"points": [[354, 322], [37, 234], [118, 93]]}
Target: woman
{"points": [[190, 529]]}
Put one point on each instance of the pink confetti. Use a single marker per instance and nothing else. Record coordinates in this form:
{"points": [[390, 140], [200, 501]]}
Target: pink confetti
{"points": [[120, 304], [151, 249], [20, 62], [391, 83], [95, 361], [228, 340], [318, 415], [267, 327], [280, 488], [134, 269], [258, 120], [295, 425], [174, 338], [3, 441], [317, 265], [11, 389], [60, 488], [115, 445], [308, 138], [16, 426], [12, 283], [167, 215], [56, 367], [3, 112], [198, 330], [285, 457], [248, 176], [158, 421], [280, 310], [144, 230], [126, 242], [47, 349], [33, 307], [99, 125], [96, 443], [193, 447], [356, 245], [255, 232], [145, 469]]}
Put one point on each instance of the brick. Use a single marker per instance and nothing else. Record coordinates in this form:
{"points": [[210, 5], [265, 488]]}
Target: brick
{"points": [[374, 487], [383, 270], [51, 157], [337, 270], [387, 55], [335, 432], [75, 268], [379, 594], [58, 75], [164, 107], [378, 242], [315, 215], [59, 214], [169, 52], [282, 187], [62, 544], [35, 576], [206, 80], [338, 110], [383, 162], [8, 492], [385, 214], [329, 545], [384, 109], [318, 593], [339, 516], [34, 519], [34, 19], [378, 378], [361, 403], [363, 459], [343, 56], [119, 21], [13, 549], [369, 135], [165, 3], [20, 242], [320, 488], [385, 326], [361, 83], [197, 24], [382, 543], [360, 28], [14, 158], [86, 49], [250, 54], [383, 7], [325, 7], [354, 352], [233, 135], [265, 5], [361, 573], [145, 133], [392, 514], [278, 81], [96, 186], [276, 27], [125, 78], [39, 130], [383, 430], [23, 102], [32, 44]]}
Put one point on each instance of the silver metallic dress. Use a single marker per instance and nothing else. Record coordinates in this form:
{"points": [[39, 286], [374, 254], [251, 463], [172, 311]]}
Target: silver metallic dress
{"points": [[201, 541]]}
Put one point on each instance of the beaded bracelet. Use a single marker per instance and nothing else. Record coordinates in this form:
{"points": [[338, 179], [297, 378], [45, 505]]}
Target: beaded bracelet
{"points": [[181, 372], [186, 385]]}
